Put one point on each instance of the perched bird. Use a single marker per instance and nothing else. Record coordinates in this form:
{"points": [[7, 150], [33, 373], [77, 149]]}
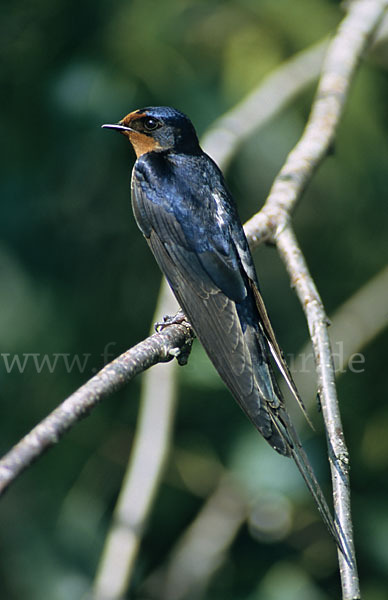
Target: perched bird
{"points": [[188, 217]]}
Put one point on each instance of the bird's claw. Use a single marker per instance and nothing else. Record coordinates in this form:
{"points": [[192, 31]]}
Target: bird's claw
{"points": [[178, 319]]}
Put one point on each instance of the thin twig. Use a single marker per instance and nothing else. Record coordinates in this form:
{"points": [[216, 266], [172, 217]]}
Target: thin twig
{"points": [[338, 453], [354, 324]]}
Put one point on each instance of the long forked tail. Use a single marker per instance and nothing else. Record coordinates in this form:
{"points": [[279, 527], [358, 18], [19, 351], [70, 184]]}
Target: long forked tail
{"points": [[285, 428], [282, 424]]}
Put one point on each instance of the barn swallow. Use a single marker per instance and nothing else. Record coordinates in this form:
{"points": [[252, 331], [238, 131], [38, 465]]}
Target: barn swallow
{"points": [[188, 217]]}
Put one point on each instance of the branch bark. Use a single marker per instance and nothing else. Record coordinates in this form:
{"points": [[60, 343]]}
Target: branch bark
{"points": [[160, 347], [354, 324], [353, 37]]}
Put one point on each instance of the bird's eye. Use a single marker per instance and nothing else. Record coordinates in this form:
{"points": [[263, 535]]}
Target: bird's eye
{"points": [[150, 124]]}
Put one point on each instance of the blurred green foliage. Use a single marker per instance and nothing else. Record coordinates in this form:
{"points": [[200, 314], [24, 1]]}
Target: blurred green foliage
{"points": [[72, 281]]}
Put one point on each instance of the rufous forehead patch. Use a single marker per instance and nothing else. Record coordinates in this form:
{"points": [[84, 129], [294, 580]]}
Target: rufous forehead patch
{"points": [[132, 116]]}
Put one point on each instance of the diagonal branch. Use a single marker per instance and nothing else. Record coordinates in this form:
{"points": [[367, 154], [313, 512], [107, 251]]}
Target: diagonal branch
{"points": [[354, 35], [338, 454], [352, 327], [160, 347]]}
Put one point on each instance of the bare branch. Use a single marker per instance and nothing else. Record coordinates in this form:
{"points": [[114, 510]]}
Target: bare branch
{"points": [[338, 453], [343, 56], [354, 324], [157, 348]]}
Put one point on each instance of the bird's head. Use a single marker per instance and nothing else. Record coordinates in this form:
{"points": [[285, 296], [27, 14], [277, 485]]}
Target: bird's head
{"points": [[158, 128]]}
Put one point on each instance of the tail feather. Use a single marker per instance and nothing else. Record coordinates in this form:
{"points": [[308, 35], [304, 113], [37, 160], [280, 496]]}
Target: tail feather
{"points": [[283, 425]]}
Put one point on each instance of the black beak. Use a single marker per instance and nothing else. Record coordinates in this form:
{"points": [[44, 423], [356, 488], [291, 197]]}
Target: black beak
{"points": [[117, 126]]}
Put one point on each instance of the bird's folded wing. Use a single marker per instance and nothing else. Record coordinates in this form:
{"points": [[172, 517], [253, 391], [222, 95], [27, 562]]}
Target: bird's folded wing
{"points": [[217, 325], [275, 349]]}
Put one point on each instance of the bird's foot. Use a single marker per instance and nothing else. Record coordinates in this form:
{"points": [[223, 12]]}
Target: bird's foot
{"points": [[178, 319], [181, 354]]}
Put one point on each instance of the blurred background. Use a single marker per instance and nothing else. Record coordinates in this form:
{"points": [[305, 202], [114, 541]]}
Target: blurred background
{"points": [[77, 282]]}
